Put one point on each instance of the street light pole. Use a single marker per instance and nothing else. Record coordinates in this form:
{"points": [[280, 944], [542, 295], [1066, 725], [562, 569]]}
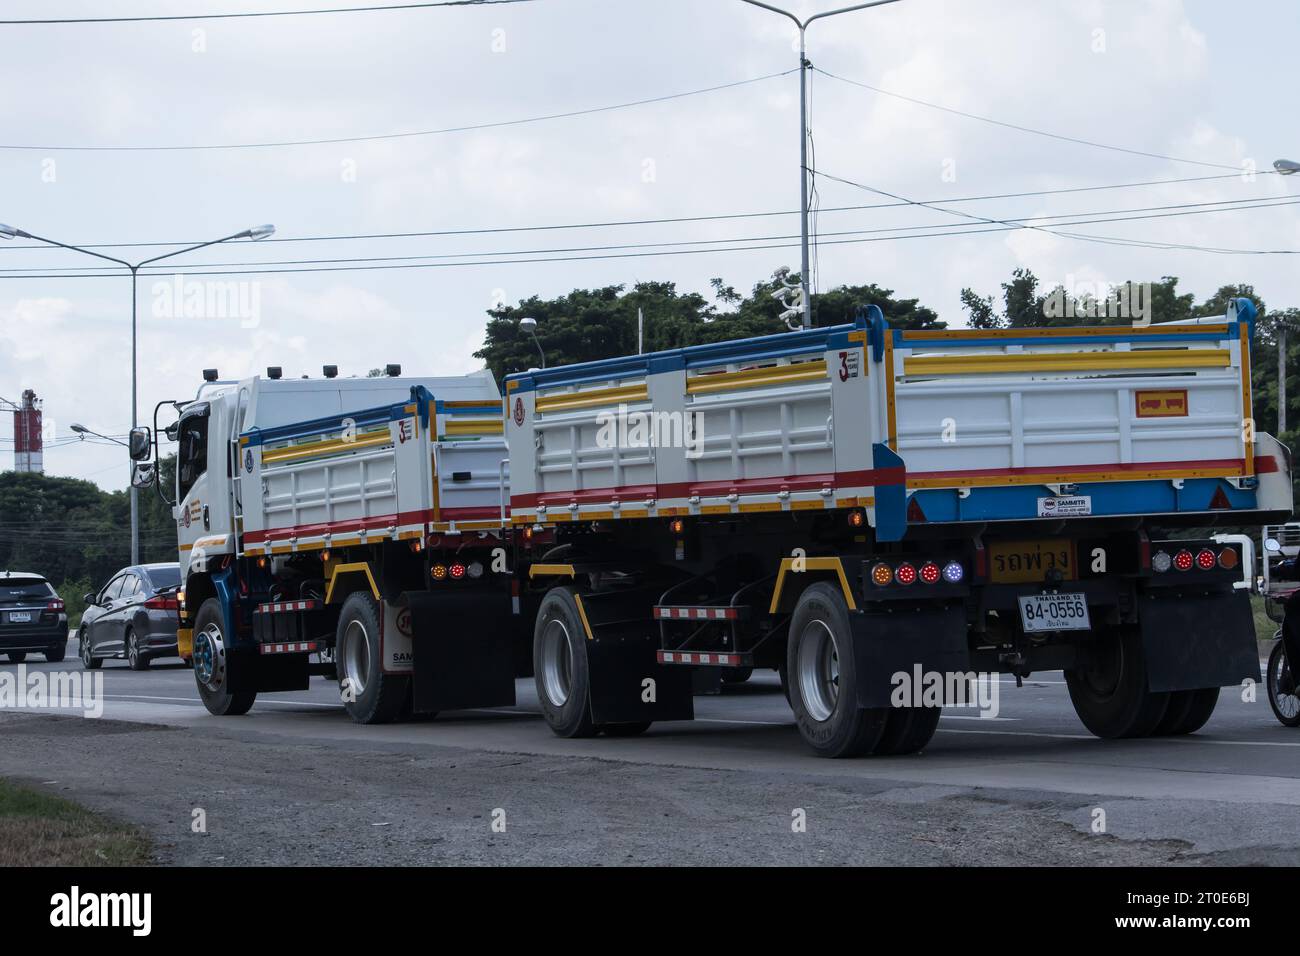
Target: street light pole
{"points": [[1284, 167], [10, 232], [804, 66]]}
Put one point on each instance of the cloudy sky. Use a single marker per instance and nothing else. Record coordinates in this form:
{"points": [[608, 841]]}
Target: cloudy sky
{"points": [[1207, 86]]}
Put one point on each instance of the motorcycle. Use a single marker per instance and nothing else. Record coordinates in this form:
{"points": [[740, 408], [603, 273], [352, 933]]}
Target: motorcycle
{"points": [[1283, 605]]}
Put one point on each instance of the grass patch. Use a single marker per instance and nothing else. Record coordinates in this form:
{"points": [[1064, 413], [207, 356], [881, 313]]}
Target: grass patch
{"points": [[37, 829]]}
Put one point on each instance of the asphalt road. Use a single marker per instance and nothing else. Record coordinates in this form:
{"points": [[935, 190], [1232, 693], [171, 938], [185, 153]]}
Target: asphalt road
{"points": [[1027, 786]]}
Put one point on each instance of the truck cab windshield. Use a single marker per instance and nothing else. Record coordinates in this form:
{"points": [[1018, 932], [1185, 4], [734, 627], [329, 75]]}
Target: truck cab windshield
{"points": [[192, 456]]}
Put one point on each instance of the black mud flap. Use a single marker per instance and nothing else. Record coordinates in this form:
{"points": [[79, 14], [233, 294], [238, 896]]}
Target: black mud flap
{"points": [[462, 650], [1195, 641], [283, 672], [906, 640], [622, 658]]}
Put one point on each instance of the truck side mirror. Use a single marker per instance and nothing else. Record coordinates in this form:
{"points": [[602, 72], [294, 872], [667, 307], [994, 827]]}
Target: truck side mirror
{"points": [[142, 473], [139, 443], [1272, 546]]}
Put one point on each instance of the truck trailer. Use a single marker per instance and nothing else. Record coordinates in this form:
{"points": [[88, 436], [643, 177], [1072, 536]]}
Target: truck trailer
{"points": [[850, 506]]}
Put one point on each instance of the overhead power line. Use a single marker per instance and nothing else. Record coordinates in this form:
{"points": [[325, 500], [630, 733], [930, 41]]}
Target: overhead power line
{"points": [[618, 223], [1224, 205], [1024, 129], [568, 114], [910, 232], [388, 7]]}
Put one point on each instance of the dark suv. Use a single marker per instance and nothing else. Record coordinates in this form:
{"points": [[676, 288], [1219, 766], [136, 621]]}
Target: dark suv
{"points": [[32, 617]]}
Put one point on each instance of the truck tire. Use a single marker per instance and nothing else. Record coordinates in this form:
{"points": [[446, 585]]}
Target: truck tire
{"points": [[1109, 688], [907, 730], [560, 666], [213, 660], [17, 657], [823, 678], [1187, 713], [369, 695]]}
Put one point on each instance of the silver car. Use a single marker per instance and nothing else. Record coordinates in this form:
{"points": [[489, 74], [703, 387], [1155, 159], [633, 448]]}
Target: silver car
{"points": [[133, 617]]}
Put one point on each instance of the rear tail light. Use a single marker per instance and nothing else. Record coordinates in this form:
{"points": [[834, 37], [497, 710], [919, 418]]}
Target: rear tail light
{"points": [[1206, 559], [162, 602], [1161, 562], [55, 606], [905, 574], [953, 572], [438, 572], [930, 573], [1183, 560], [882, 574], [457, 571], [475, 570], [856, 519], [1228, 559]]}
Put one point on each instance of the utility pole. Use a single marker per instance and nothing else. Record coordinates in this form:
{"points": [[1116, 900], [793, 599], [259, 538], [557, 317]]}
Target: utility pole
{"points": [[1281, 377], [804, 171]]}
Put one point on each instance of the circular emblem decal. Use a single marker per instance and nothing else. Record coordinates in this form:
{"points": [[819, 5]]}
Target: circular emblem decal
{"points": [[248, 460], [519, 411], [185, 516], [404, 622]]}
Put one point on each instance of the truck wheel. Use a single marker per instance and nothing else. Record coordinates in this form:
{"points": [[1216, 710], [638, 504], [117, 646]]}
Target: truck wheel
{"points": [[1188, 711], [1109, 688], [560, 666], [213, 661], [1282, 690], [17, 657], [369, 695], [823, 678], [907, 730]]}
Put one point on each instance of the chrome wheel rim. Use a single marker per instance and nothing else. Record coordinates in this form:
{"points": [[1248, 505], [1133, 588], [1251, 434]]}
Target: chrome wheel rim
{"points": [[85, 650], [819, 670], [132, 650], [557, 662], [209, 657], [356, 655]]}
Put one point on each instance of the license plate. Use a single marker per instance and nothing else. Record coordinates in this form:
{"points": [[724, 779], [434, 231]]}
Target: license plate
{"points": [[1054, 612], [20, 617], [1024, 562]]}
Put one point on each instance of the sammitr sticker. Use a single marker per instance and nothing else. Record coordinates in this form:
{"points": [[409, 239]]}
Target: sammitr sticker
{"points": [[1069, 507], [1165, 403]]}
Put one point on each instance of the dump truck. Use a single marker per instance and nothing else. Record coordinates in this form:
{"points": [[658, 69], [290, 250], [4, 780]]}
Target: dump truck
{"points": [[854, 507]]}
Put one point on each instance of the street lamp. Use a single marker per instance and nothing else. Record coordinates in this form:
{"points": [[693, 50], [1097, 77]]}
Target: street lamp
{"points": [[1287, 167], [804, 66], [529, 325], [256, 233], [83, 431]]}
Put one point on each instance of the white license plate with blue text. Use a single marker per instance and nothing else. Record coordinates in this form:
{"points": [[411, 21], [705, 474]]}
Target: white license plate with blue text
{"points": [[20, 617], [1054, 612]]}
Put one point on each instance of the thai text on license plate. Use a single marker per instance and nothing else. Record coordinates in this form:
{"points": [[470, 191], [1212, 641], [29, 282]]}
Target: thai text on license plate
{"points": [[1054, 612]]}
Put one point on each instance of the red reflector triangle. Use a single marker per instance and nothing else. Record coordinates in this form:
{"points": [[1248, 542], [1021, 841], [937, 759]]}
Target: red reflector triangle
{"points": [[1220, 500], [914, 512]]}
